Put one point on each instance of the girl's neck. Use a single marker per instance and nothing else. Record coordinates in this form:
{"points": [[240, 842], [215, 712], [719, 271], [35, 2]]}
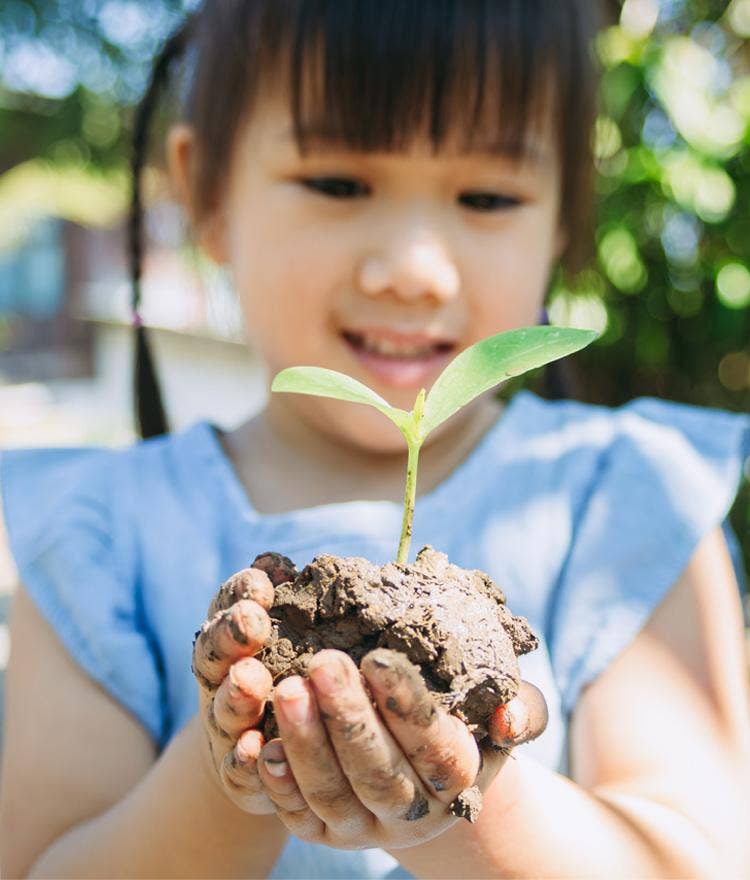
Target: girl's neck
{"points": [[266, 455]]}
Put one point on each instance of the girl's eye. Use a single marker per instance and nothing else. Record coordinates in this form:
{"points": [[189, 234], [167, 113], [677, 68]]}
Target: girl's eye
{"points": [[348, 188], [481, 201], [335, 187]]}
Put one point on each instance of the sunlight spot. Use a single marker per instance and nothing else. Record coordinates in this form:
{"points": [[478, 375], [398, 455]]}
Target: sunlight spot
{"points": [[691, 83], [639, 17], [734, 371], [618, 252], [733, 286], [738, 15], [32, 66], [714, 195], [607, 138]]}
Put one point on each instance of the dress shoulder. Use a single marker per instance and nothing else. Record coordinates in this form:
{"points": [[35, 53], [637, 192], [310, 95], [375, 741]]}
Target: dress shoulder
{"points": [[665, 474], [72, 542]]}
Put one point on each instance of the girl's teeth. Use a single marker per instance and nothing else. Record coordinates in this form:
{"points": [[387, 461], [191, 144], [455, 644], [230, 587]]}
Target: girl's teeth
{"points": [[386, 347], [390, 348]]}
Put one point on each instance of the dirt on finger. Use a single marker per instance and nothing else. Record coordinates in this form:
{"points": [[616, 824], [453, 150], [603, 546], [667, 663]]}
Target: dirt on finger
{"points": [[239, 631], [241, 699], [249, 583]]}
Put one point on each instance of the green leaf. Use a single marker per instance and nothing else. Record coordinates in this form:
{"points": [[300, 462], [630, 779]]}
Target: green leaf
{"points": [[493, 360], [330, 383]]}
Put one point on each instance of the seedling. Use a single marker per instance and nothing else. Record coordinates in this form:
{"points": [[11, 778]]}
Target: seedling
{"points": [[471, 373]]}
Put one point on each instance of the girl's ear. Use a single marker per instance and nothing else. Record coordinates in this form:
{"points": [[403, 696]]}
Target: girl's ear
{"points": [[180, 155]]}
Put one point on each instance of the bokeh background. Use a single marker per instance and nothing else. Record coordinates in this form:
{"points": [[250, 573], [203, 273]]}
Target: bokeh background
{"points": [[669, 287]]}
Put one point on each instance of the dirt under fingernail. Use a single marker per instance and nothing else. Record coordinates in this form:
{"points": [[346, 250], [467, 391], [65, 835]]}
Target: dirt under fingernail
{"points": [[276, 768], [278, 567], [248, 746]]}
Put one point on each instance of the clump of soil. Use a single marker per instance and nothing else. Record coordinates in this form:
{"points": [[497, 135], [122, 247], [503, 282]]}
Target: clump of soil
{"points": [[452, 623]]}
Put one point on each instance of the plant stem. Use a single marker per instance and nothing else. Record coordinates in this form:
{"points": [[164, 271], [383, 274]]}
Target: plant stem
{"points": [[410, 495]]}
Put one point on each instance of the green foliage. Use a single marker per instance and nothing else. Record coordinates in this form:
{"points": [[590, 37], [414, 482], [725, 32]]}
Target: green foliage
{"points": [[71, 75], [670, 285], [493, 360], [471, 373], [322, 382]]}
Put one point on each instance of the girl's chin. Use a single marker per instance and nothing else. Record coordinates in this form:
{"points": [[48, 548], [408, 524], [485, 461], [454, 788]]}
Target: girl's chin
{"points": [[355, 425], [377, 435]]}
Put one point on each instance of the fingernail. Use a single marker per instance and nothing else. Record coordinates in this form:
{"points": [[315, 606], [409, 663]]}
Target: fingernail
{"points": [[276, 768], [248, 746], [516, 719], [294, 701], [330, 677], [274, 758]]}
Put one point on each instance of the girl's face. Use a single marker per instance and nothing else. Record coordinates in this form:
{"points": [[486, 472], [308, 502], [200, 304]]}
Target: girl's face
{"points": [[347, 260]]}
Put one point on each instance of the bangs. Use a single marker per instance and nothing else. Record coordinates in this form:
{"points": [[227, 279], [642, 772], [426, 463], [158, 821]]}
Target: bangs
{"points": [[490, 76], [376, 76]]}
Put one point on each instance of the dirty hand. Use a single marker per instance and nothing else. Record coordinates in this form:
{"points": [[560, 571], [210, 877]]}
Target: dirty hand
{"points": [[350, 775], [233, 686]]}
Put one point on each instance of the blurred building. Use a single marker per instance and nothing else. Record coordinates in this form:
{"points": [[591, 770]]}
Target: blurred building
{"points": [[66, 334], [40, 282]]}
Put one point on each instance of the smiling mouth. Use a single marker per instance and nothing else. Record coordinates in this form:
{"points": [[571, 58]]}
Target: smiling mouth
{"points": [[397, 348]]}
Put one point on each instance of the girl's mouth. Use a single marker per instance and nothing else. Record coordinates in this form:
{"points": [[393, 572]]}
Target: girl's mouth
{"points": [[400, 360]]}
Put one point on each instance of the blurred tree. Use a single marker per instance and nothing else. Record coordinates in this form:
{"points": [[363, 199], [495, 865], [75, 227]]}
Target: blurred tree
{"points": [[71, 74], [670, 286]]}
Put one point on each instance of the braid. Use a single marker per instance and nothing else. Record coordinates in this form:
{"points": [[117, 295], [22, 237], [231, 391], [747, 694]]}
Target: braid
{"points": [[149, 409]]}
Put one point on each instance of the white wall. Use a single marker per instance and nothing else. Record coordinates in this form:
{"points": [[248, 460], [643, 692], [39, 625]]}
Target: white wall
{"points": [[201, 378]]}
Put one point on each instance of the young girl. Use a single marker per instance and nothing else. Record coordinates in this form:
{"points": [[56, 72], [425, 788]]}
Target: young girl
{"points": [[387, 182]]}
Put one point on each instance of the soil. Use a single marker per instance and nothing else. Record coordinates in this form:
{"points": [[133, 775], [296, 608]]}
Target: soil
{"points": [[452, 624]]}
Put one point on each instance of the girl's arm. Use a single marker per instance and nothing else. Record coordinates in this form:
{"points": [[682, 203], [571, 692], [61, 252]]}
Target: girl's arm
{"points": [[84, 795], [660, 760]]}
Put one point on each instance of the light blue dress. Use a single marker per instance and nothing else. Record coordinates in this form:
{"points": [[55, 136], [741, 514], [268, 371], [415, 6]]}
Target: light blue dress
{"points": [[585, 515]]}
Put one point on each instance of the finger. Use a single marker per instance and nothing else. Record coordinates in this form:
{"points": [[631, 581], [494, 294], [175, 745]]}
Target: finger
{"points": [[283, 791], [239, 774], [372, 761], [274, 768], [277, 777], [250, 583], [240, 701], [524, 718], [280, 569], [240, 631], [312, 760], [439, 747]]}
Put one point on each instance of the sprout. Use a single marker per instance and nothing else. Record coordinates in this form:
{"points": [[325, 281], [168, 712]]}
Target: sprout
{"points": [[471, 373]]}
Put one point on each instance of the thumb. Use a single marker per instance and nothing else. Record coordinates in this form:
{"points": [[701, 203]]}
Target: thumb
{"points": [[524, 718]]}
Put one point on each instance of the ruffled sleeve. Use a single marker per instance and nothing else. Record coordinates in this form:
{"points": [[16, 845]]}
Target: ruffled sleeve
{"points": [[668, 475], [69, 542]]}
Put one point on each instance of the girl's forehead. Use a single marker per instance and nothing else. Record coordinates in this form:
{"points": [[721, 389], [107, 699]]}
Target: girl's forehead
{"points": [[272, 122]]}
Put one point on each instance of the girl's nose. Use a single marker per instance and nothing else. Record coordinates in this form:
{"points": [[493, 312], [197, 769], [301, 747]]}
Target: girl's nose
{"points": [[412, 270]]}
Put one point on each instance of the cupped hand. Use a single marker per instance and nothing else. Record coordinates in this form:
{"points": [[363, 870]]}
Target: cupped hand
{"points": [[233, 686], [369, 760]]}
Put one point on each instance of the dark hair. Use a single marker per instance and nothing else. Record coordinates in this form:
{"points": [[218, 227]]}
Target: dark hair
{"points": [[375, 74]]}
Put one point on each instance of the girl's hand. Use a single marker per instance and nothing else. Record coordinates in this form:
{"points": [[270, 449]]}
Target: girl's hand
{"points": [[233, 686], [350, 775]]}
